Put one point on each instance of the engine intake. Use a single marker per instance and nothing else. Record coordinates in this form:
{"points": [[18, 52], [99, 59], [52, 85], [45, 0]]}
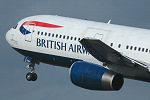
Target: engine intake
{"points": [[95, 77]]}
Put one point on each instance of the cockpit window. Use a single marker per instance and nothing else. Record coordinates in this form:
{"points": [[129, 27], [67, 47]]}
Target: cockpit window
{"points": [[15, 26]]}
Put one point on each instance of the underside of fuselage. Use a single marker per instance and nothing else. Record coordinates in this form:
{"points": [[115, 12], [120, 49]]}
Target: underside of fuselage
{"points": [[48, 58], [127, 72]]}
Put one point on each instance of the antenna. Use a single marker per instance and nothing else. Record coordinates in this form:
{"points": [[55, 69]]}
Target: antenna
{"points": [[109, 21]]}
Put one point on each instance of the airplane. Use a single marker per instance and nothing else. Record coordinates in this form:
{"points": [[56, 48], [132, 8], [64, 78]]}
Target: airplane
{"points": [[99, 55]]}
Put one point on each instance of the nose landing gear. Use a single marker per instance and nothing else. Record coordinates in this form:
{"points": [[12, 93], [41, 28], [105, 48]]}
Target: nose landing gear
{"points": [[31, 76]]}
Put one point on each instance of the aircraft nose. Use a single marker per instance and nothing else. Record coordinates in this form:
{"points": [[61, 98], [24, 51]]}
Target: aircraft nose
{"points": [[8, 37]]}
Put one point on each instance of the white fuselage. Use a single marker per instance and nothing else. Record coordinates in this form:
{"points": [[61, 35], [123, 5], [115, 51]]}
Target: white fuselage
{"points": [[64, 41]]}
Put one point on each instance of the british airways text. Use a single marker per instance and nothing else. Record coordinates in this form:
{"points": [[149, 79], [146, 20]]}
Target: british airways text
{"points": [[61, 46]]}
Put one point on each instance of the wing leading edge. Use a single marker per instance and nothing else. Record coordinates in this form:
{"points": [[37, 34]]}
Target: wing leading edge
{"points": [[106, 54]]}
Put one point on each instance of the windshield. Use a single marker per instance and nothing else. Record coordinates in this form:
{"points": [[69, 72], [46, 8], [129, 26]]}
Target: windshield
{"points": [[15, 26]]}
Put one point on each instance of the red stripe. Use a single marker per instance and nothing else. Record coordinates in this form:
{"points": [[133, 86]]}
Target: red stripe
{"points": [[42, 24]]}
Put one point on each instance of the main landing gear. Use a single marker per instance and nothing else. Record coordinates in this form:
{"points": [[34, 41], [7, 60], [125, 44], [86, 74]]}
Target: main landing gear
{"points": [[31, 76]]}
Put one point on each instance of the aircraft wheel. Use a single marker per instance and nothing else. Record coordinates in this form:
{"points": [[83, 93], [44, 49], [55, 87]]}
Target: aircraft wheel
{"points": [[31, 76], [34, 78]]}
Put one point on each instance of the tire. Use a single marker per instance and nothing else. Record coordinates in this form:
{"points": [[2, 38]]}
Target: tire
{"points": [[34, 78], [29, 76]]}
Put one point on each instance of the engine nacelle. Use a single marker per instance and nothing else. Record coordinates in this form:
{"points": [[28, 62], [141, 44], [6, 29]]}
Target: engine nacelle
{"points": [[95, 77]]}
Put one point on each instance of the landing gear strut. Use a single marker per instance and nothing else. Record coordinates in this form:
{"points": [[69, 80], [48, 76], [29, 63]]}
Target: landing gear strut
{"points": [[31, 76]]}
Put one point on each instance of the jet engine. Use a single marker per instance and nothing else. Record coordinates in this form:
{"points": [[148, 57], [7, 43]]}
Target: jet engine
{"points": [[95, 77]]}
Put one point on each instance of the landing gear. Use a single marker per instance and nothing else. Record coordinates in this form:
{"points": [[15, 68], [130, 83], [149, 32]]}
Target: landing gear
{"points": [[31, 76]]}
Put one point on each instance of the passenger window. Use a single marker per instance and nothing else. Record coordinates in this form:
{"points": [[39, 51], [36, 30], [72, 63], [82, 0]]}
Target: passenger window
{"points": [[142, 49], [45, 33], [131, 48], [78, 39], [49, 34], [41, 33], [60, 36], [127, 47], [111, 44], [75, 38], [64, 37], [38, 33], [56, 35], [52, 35], [139, 49], [119, 45], [146, 50], [71, 38], [135, 48], [67, 37]]}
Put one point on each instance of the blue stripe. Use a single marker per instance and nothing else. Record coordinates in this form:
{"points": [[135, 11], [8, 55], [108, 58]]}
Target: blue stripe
{"points": [[48, 59]]}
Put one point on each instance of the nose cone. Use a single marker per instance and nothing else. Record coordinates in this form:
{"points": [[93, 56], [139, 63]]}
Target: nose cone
{"points": [[8, 37]]}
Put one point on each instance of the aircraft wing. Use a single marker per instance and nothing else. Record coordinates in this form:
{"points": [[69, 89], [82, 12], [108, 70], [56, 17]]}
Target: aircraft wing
{"points": [[106, 54]]}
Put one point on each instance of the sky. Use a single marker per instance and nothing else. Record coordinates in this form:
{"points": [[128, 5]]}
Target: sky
{"points": [[53, 82]]}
